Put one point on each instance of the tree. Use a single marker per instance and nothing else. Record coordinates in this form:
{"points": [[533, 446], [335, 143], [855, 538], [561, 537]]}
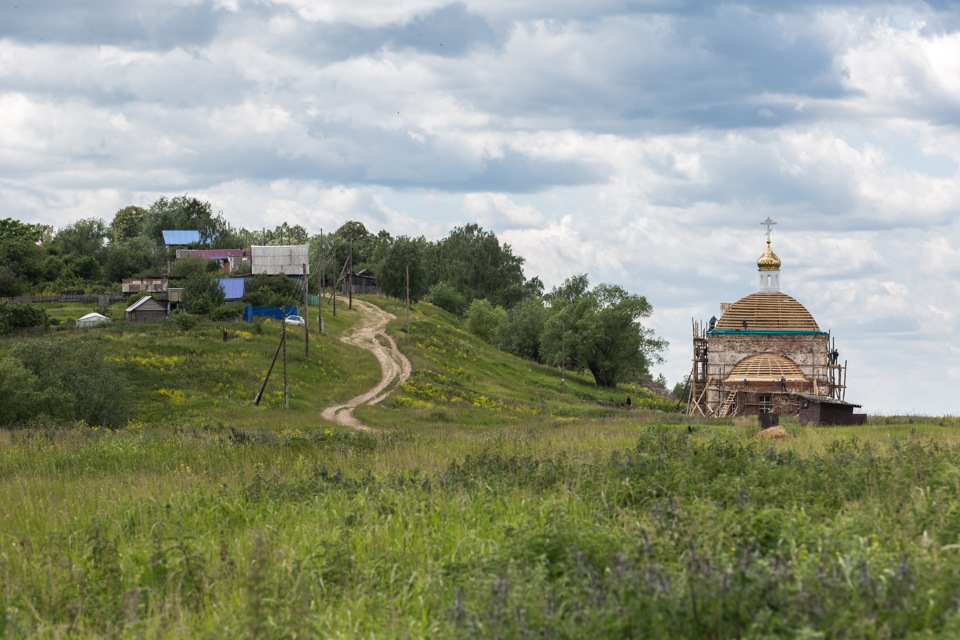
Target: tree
{"points": [[20, 254], [446, 296], [270, 291], [520, 332], [601, 331], [391, 273], [127, 224], [484, 319], [202, 293], [182, 212], [474, 262]]}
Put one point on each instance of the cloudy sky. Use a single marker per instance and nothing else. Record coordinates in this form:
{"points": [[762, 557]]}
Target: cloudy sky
{"points": [[639, 141]]}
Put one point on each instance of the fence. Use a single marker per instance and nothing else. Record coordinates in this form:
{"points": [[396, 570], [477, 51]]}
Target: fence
{"points": [[93, 298]]}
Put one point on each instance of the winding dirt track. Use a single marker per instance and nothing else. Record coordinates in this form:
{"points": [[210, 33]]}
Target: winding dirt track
{"points": [[394, 366]]}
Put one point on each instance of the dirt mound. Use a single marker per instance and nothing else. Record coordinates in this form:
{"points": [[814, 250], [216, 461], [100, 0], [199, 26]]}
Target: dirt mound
{"points": [[775, 433]]}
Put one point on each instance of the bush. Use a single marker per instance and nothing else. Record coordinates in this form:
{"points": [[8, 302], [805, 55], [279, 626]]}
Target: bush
{"points": [[445, 295], [21, 316], [483, 320], [230, 311], [269, 291], [73, 382], [184, 320]]}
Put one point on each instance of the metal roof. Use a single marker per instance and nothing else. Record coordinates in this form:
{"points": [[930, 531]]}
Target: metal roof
{"points": [[232, 288], [827, 400], [142, 301], [274, 260], [175, 237]]}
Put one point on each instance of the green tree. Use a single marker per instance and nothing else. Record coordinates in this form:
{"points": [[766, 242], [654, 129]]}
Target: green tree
{"points": [[474, 261], [21, 255], [127, 224], [520, 333], [137, 256], [82, 238], [446, 296], [182, 212], [403, 253], [483, 320], [600, 331], [202, 293], [270, 291]]}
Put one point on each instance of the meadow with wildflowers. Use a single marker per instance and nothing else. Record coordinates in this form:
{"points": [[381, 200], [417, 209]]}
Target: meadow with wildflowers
{"points": [[489, 501]]}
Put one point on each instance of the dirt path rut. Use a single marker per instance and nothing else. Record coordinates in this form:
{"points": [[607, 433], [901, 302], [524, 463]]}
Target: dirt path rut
{"points": [[394, 367]]}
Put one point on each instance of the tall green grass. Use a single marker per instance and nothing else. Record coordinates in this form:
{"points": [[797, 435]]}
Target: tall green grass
{"points": [[665, 533]]}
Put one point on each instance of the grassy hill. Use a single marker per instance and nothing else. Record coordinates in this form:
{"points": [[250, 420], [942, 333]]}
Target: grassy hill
{"points": [[488, 504]]}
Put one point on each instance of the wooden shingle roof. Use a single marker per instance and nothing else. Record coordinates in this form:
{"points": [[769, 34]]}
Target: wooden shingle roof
{"points": [[767, 312]]}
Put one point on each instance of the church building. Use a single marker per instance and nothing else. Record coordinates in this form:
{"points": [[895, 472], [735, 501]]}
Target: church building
{"points": [[766, 354]]}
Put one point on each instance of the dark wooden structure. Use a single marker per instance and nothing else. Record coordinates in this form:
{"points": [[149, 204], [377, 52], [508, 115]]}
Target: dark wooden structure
{"points": [[826, 411], [363, 281]]}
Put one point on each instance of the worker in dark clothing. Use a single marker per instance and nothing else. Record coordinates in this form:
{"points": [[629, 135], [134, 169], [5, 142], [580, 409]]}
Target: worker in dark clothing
{"points": [[835, 356], [783, 383]]}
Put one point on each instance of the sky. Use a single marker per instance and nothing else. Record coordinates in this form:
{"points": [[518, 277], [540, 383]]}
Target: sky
{"points": [[639, 141]]}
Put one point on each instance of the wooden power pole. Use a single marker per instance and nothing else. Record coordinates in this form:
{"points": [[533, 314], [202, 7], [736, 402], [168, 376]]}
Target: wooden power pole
{"points": [[283, 333], [306, 317], [320, 277]]}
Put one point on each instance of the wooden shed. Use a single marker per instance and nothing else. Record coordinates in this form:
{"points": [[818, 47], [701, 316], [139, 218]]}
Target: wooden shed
{"points": [[146, 310], [827, 411]]}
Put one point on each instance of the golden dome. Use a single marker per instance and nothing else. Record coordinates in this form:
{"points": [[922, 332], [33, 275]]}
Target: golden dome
{"points": [[768, 311], [765, 366], [769, 260]]}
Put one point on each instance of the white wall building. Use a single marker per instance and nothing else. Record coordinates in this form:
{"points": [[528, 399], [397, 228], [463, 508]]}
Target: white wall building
{"points": [[283, 259]]}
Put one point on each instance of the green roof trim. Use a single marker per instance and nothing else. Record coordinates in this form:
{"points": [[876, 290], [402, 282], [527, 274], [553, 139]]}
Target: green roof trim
{"points": [[758, 332]]}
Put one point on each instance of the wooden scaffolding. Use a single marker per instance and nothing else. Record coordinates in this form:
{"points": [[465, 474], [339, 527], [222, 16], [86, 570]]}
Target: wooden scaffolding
{"points": [[699, 378]]}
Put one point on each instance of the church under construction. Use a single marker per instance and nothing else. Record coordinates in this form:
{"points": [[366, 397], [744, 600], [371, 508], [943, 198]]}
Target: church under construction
{"points": [[767, 354]]}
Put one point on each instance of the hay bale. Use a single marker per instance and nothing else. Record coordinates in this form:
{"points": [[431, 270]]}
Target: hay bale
{"points": [[775, 433]]}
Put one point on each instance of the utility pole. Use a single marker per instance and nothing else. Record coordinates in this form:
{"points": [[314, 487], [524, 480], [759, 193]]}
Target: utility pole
{"points": [[563, 355], [408, 298], [350, 279], [256, 401], [335, 284], [283, 333], [320, 278], [306, 317]]}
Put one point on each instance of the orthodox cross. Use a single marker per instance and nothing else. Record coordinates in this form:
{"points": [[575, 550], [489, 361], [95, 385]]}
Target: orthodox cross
{"points": [[769, 224]]}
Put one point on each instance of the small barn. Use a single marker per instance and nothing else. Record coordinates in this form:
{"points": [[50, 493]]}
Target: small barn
{"points": [[92, 320], [362, 281], [147, 309], [827, 411]]}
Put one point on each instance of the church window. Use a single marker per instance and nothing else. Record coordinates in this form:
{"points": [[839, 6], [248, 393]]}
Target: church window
{"points": [[766, 406]]}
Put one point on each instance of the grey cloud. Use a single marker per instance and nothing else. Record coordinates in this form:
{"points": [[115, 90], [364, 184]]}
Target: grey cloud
{"points": [[448, 31], [142, 25]]}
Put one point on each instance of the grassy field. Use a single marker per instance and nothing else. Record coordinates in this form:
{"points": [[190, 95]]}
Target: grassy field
{"points": [[488, 503]]}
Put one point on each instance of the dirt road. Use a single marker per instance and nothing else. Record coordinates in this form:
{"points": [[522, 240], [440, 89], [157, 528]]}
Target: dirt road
{"points": [[394, 366]]}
